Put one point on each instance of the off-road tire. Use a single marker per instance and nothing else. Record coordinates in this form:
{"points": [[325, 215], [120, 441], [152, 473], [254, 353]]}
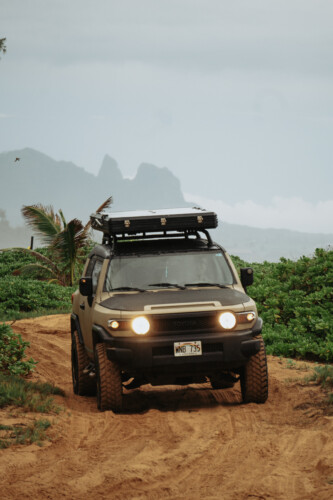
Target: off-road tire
{"points": [[109, 384], [254, 377], [83, 383]]}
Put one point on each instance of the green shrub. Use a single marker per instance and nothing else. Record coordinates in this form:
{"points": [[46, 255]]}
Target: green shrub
{"points": [[12, 352], [13, 260], [20, 294], [295, 300], [30, 295]]}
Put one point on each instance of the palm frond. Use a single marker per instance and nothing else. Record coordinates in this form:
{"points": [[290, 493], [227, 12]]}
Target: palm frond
{"points": [[28, 268], [63, 218], [3, 47], [43, 221], [70, 238], [56, 280], [106, 204], [68, 243]]}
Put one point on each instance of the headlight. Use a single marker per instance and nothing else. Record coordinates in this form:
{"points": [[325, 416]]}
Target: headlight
{"points": [[227, 320], [140, 325]]}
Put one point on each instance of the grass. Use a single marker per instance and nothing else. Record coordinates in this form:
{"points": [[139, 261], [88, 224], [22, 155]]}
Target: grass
{"points": [[17, 315], [323, 375], [31, 396], [24, 434], [292, 365]]}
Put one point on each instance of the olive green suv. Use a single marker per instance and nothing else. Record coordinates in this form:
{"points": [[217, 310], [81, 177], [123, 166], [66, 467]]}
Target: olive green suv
{"points": [[160, 303]]}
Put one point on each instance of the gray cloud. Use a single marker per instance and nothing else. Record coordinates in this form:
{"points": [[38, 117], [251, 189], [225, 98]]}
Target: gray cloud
{"points": [[286, 36], [234, 96]]}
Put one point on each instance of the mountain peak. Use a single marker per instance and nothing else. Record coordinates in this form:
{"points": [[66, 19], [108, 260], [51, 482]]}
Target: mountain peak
{"points": [[148, 171], [109, 170]]}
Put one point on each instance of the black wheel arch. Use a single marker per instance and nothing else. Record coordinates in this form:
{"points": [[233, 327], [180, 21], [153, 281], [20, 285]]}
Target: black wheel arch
{"points": [[75, 326], [99, 335]]}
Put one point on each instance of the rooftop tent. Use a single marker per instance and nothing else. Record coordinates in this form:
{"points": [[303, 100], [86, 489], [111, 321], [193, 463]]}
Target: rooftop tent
{"points": [[176, 219]]}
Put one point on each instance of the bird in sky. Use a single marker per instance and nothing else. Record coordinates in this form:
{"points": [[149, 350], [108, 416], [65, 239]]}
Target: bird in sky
{"points": [[17, 159]]}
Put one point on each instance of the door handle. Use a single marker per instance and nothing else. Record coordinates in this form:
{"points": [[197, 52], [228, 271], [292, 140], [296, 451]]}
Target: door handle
{"points": [[82, 306]]}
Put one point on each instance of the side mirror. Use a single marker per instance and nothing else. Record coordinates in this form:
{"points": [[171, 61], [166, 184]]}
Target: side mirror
{"points": [[85, 286], [246, 276]]}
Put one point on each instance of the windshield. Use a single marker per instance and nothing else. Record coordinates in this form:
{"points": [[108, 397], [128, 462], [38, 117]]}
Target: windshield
{"points": [[144, 272]]}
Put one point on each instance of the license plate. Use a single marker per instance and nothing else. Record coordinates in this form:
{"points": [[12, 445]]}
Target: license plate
{"points": [[188, 348]]}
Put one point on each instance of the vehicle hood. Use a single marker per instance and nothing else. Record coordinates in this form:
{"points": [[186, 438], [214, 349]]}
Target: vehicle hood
{"points": [[138, 301]]}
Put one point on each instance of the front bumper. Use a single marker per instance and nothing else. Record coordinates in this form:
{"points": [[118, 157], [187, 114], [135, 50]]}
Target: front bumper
{"points": [[219, 350]]}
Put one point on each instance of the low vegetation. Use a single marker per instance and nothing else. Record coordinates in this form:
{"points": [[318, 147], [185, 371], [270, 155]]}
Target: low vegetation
{"points": [[12, 353], [320, 375], [295, 300], [35, 432], [323, 375], [30, 396], [17, 392], [23, 297]]}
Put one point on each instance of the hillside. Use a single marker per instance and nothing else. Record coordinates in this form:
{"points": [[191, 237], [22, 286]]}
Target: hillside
{"points": [[257, 245], [37, 178]]}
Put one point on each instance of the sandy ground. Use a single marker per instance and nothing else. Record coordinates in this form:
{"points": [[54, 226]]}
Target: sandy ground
{"points": [[171, 442]]}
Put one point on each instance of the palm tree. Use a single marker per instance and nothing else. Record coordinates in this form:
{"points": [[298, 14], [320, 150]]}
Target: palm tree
{"points": [[65, 241], [3, 47]]}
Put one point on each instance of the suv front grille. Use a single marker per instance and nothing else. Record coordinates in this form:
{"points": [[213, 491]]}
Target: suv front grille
{"points": [[185, 324]]}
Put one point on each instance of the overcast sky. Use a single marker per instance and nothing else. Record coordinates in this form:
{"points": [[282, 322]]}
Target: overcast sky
{"points": [[235, 97]]}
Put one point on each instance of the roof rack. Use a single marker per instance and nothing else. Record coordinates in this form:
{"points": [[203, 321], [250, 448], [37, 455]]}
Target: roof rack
{"points": [[107, 240], [184, 220]]}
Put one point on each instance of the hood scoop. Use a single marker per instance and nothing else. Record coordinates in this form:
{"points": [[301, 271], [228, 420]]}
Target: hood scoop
{"points": [[194, 306]]}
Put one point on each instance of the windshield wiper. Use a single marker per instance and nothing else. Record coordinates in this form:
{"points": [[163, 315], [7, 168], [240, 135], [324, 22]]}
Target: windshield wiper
{"points": [[206, 284], [168, 285], [127, 289]]}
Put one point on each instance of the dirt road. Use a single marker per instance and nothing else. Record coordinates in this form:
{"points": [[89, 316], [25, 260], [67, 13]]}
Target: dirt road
{"points": [[172, 442]]}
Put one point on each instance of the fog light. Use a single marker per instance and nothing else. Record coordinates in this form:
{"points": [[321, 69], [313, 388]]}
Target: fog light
{"points": [[140, 325], [112, 323], [227, 320]]}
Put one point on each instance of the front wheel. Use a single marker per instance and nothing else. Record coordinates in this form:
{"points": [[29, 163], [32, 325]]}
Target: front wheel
{"points": [[254, 377], [109, 383]]}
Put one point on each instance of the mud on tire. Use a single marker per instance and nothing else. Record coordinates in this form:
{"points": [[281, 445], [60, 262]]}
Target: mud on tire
{"points": [[83, 384], [254, 377], [109, 384]]}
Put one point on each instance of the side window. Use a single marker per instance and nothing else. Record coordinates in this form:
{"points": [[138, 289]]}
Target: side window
{"points": [[95, 274], [93, 270], [90, 266]]}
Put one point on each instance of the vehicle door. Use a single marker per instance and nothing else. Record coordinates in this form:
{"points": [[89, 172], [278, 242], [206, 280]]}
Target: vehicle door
{"points": [[87, 303]]}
